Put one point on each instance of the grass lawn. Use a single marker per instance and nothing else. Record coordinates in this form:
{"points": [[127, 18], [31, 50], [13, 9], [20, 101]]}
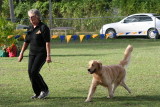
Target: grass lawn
{"points": [[69, 81]]}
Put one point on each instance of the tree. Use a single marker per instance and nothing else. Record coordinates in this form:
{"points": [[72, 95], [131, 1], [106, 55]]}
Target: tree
{"points": [[1, 6], [11, 10]]}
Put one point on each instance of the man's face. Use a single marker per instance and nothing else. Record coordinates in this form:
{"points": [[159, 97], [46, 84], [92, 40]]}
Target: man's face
{"points": [[33, 19]]}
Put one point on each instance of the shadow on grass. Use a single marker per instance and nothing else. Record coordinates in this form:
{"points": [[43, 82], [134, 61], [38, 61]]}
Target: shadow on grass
{"points": [[79, 101], [75, 55], [116, 98], [135, 98], [72, 55], [109, 44]]}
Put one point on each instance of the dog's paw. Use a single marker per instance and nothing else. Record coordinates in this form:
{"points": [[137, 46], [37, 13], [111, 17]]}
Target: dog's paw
{"points": [[109, 97], [86, 101]]}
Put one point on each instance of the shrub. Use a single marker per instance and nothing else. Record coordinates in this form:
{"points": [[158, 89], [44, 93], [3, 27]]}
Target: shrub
{"points": [[7, 32]]}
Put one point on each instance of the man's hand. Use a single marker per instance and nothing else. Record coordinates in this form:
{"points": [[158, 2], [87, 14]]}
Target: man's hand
{"points": [[48, 59], [20, 57]]}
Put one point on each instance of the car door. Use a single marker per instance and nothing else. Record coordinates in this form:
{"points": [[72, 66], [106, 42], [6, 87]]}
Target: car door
{"points": [[128, 25], [145, 22]]}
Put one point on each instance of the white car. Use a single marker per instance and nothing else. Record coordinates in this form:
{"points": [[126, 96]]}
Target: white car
{"points": [[145, 24]]}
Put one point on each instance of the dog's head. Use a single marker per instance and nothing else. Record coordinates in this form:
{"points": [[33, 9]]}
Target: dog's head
{"points": [[94, 66]]}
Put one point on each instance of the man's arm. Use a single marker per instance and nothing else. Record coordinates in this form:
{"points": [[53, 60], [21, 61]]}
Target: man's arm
{"points": [[24, 47], [48, 49]]}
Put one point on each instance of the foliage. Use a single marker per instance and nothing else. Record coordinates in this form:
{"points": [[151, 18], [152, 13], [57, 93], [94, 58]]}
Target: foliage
{"points": [[43, 7], [6, 29], [5, 9], [127, 7], [82, 9], [8, 32], [21, 10]]}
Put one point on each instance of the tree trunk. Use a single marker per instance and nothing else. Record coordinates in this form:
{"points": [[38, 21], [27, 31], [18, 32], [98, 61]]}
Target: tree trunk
{"points": [[0, 6]]}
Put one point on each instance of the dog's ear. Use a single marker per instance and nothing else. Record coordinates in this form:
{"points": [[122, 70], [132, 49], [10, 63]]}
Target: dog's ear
{"points": [[99, 65]]}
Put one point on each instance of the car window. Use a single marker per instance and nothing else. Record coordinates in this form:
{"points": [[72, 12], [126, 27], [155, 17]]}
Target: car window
{"points": [[144, 18], [138, 18], [157, 16], [131, 19]]}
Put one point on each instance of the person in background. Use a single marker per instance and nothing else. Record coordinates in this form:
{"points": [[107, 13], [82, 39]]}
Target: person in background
{"points": [[12, 50], [38, 37], [3, 52]]}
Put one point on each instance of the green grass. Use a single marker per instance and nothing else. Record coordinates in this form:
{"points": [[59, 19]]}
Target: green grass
{"points": [[69, 81]]}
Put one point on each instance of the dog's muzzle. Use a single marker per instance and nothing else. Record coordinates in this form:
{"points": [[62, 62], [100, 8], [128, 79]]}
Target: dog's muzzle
{"points": [[91, 72]]}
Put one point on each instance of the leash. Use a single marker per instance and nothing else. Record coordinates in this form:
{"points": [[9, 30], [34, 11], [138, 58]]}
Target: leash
{"points": [[64, 63], [49, 67], [58, 62]]}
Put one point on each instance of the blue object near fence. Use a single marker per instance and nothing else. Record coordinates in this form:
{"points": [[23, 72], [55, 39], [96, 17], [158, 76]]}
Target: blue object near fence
{"points": [[88, 37], [102, 36], [62, 37], [75, 37]]}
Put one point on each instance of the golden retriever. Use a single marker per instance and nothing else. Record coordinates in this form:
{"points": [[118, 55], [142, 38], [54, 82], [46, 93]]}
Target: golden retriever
{"points": [[109, 76]]}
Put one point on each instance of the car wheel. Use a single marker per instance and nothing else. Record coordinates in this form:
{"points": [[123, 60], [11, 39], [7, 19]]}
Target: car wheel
{"points": [[153, 34], [112, 33]]}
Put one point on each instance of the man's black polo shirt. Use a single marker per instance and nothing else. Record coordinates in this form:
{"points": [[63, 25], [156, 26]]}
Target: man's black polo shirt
{"points": [[37, 38]]}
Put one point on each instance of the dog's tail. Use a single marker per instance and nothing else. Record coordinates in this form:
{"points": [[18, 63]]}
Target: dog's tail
{"points": [[127, 56]]}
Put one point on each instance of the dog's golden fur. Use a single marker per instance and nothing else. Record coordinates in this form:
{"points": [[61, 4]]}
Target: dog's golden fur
{"points": [[109, 76]]}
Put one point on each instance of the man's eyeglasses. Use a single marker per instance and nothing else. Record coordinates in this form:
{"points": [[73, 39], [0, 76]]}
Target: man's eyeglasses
{"points": [[30, 17]]}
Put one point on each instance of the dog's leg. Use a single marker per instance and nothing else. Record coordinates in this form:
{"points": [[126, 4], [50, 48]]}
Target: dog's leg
{"points": [[115, 86], [110, 91], [125, 86], [91, 91]]}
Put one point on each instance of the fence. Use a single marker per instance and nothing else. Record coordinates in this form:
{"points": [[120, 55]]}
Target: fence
{"points": [[92, 25], [80, 25], [86, 28]]}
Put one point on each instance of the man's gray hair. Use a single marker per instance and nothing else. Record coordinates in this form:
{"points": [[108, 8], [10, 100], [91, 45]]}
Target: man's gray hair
{"points": [[35, 12]]}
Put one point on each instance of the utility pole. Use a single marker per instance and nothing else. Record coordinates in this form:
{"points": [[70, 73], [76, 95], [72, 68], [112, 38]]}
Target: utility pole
{"points": [[0, 6], [50, 16], [11, 11]]}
